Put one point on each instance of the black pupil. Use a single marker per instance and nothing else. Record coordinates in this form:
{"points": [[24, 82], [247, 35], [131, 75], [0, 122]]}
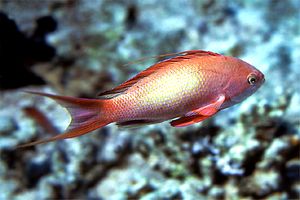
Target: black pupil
{"points": [[252, 80]]}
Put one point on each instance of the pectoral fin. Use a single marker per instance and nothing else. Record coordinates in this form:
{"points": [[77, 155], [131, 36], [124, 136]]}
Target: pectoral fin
{"points": [[189, 120], [209, 109], [199, 114]]}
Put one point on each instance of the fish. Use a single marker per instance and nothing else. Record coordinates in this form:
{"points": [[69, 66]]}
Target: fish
{"points": [[187, 88], [41, 119]]}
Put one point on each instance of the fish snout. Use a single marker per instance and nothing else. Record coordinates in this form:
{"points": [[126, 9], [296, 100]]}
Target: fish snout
{"points": [[262, 77]]}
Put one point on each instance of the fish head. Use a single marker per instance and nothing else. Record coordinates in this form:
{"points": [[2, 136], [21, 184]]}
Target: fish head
{"points": [[243, 80]]}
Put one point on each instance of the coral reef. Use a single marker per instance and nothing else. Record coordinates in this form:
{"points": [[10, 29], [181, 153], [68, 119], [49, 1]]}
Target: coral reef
{"points": [[250, 151]]}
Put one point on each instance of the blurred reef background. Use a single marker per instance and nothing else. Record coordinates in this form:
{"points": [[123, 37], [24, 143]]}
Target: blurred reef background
{"points": [[79, 48]]}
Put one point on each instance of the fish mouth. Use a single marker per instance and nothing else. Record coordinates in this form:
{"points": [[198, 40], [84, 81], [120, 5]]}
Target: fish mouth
{"points": [[263, 80], [262, 77]]}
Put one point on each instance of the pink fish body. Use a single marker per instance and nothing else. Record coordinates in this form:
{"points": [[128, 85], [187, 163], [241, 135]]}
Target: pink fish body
{"points": [[188, 88]]}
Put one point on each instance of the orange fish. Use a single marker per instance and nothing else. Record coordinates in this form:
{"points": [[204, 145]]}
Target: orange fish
{"points": [[41, 119], [187, 88]]}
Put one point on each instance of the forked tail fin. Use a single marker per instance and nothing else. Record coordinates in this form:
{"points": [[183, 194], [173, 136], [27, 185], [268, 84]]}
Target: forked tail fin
{"points": [[87, 115]]}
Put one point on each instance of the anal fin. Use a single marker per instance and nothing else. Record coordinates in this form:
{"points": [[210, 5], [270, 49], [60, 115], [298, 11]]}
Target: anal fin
{"points": [[137, 123]]}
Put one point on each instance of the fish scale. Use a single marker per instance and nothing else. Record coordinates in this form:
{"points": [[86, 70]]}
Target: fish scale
{"points": [[174, 88]]}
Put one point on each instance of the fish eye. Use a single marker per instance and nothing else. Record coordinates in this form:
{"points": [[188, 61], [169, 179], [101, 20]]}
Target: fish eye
{"points": [[252, 79]]}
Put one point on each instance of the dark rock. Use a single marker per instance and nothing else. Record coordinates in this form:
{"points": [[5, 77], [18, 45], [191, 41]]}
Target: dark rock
{"points": [[19, 52], [35, 169]]}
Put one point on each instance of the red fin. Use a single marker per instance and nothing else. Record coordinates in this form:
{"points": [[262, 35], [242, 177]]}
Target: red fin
{"points": [[137, 123], [177, 58], [197, 53], [41, 119], [209, 109], [126, 85], [87, 115], [199, 114], [186, 121], [183, 53]]}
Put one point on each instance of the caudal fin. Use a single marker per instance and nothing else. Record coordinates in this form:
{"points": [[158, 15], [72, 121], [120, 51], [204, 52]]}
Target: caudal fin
{"points": [[87, 115]]}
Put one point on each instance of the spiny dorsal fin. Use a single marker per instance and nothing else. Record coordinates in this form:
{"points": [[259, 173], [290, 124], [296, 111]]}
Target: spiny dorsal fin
{"points": [[172, 55], [175, 57], [124, 86]]}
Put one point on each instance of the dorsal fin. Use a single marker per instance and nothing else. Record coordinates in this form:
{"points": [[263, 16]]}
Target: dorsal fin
{"points": [[124, 86], [172, 55], [175, 57]]}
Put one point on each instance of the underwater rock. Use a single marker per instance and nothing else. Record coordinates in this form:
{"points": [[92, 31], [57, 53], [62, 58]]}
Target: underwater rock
{"points": [[35, 169], [18, 52], [216, 193], [7, 125], [292, 170], [261, 184]]}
